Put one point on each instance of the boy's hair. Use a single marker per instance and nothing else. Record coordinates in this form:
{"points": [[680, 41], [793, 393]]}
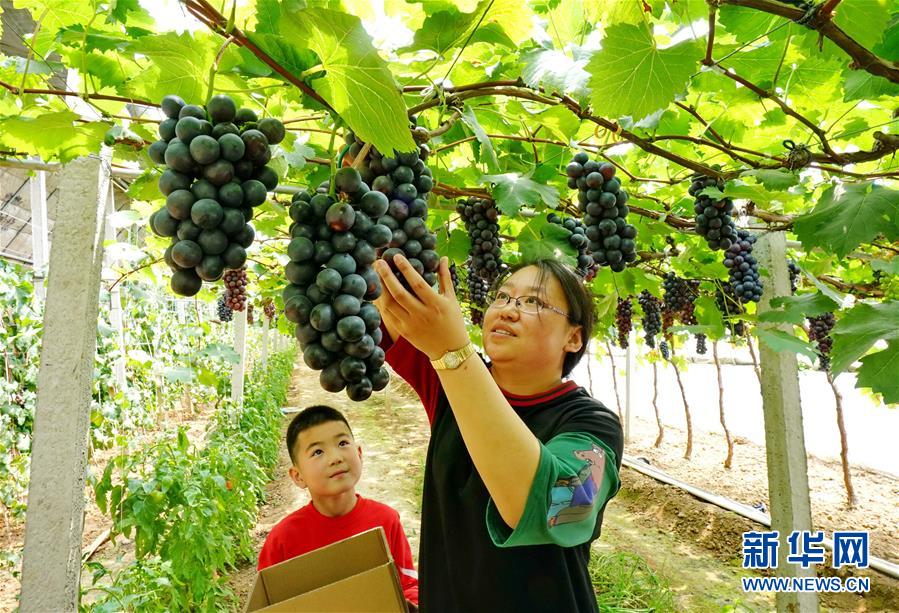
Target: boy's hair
{"points": [[581, 309], [309, 418]]}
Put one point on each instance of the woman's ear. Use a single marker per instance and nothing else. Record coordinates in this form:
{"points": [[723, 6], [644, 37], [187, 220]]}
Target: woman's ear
{"points": [[575, 340]]}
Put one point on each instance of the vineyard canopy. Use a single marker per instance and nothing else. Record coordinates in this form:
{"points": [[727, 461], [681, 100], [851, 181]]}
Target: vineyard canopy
{"points": [[789, 105]]}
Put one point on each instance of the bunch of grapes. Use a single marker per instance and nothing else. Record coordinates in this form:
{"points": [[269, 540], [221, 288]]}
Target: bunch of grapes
{"points": [[578, 239], [689, 318], [623, 320], [236, 289], [454, 275], [224, 311], [794, 271], [332, 283], [604, 206], [250, 319], [477, 295], [819, 328], [743, 268], [652, 316], [664, 350], [268, 308], [730, 307], [677, 294], [680, 297], [480, 217], [713, 217], [216, 174], [405, 182]]}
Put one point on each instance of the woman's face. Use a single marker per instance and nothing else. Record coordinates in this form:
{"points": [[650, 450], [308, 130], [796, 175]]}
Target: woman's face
{"points": [[533, 342]]}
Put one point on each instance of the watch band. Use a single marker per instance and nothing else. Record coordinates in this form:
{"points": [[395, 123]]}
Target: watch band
{"points": [[454, 359]]}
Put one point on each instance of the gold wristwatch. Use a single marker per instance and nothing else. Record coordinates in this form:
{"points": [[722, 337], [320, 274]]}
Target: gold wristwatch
{"points": [[452, 360]]}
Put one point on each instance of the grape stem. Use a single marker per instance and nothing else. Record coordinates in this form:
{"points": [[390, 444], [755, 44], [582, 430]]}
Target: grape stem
{"points": [[132, 271]]}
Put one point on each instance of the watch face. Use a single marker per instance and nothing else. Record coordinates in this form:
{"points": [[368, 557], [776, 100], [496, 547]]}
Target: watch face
{"points": [[452, 360]]}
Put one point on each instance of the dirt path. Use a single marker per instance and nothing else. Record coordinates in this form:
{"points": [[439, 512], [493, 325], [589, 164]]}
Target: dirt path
{"points": [[693, 545]]}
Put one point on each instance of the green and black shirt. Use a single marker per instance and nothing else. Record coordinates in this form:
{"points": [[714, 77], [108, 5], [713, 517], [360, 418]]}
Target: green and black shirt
{"points": [[469, 559]]}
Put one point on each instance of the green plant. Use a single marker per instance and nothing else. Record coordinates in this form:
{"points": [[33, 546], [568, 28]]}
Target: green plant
{"points": [[624, 582], [191, 508]]}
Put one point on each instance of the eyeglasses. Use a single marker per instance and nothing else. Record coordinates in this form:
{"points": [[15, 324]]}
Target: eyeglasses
{"points": [[525, 304]]}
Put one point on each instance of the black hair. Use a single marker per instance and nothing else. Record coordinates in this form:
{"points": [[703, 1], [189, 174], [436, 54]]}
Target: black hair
{"points": [[310, 417], [581, 308]]}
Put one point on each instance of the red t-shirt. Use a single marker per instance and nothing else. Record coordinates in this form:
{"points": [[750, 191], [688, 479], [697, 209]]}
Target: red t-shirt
{"points": [[306, 529]]}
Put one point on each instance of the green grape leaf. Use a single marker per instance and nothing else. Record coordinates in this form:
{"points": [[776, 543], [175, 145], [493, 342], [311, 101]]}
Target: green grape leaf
{"points": [[781, 341], [53, 15], [631, 76], [746, 23], [145, 187], [179, 65], [179, 374], [357, 82], [773, 179], [863, 20], [442, 30], [615, 11], [861, 85], [512, 190], [555, 70], [794, 309], [858, 330], [52, 135], [471, 120], [455, 245], [849, 214], [878, 372], [295, 59], [890, 268], [448, 27], [543, 240]]}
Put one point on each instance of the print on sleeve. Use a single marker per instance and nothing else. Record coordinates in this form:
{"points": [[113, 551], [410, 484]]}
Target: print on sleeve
{"points": [[574, 498]]}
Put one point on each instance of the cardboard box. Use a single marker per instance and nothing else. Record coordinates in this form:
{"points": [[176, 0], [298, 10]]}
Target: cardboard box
{"points": [[355, 575]]}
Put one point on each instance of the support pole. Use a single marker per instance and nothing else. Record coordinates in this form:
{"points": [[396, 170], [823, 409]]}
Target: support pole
{"points": [[784, 438], [240, 346], [628, 385], [115, 300], [265, 325], [51, 569], [40, 240]]}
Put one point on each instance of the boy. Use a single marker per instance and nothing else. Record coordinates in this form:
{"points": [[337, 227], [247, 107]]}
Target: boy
{"points": [[327, 461]]}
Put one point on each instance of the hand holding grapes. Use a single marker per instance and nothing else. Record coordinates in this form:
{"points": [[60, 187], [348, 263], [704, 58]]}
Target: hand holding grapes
{"points": [[431, 322]]}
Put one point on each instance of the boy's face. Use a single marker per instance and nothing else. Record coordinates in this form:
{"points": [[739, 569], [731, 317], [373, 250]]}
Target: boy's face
{"points": [[327, 460]]}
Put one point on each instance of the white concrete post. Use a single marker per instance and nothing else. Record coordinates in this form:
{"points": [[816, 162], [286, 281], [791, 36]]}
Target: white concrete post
{"points": [[784, 438], [51, 568], [40, 240], [628, 385], [240, 346], [115, 300], [265, 325]]}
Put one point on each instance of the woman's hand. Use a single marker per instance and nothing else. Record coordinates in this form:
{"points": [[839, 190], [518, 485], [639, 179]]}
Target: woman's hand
{"points": [[431, 322]]}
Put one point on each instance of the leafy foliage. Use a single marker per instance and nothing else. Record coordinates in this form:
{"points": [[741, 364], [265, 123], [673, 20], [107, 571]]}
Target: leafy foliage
{"points": [[645, 84]]}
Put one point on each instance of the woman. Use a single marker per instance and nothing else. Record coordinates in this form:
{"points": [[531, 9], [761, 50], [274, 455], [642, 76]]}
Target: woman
{"points": [[520, 463]]}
